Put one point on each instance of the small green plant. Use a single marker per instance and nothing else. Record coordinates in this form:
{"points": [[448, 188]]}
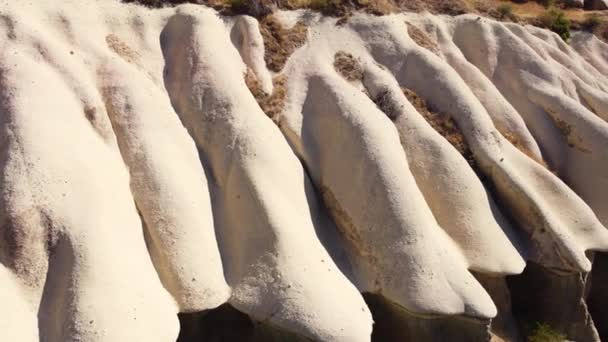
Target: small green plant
{"points": [[543, 332], [505, 11], [556, 21]]}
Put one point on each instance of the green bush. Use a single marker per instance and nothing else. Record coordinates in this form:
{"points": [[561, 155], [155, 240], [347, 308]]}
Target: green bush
{"points": [[556, 21], [545, 333]]}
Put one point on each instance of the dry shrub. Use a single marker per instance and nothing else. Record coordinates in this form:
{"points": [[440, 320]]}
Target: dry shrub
{"points": [[380, 7], [279, 42], [335, 8], [347, 66], [422, 39], [271, 104], [386, 105], [444, 125], [449, 7], [344, 8]]}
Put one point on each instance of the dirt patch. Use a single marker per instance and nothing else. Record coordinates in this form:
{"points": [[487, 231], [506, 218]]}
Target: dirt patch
{"points": [[121, 48], [347, 66], [572, 139], [346, 227], [279, 42], [271, 104], [386, 105], [422, 39]]}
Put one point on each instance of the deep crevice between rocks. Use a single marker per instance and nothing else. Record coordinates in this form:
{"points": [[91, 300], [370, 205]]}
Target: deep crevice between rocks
{"points": [[227, 324], [542, 295], [393, 324], [280, 42], [503, 326], [271, 104], [422, 39], [597, 296]]}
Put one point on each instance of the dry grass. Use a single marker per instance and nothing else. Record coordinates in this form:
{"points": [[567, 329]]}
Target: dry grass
{"points": [[347, 66], [448, 128], [386, 105], [422, 39], [279, 42], [271, 104], [572, 139], [336, 8], [516, 11], [347, 230], [121, 48], [444, 125]]}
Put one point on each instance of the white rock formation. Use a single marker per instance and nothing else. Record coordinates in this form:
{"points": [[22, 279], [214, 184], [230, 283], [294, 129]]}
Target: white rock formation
{"points": [[140, 178]]}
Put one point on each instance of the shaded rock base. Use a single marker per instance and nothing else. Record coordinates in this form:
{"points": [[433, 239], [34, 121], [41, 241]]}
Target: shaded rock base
{"points": [[394, 324], [227, 324], [504, 324], [597, 300], [542, 295]]}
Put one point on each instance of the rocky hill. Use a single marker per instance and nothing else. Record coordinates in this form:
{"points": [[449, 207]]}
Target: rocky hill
{"points": [[179, 173]]}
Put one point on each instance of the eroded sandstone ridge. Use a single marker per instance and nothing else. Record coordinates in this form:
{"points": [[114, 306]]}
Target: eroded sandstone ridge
{"points": [[423, 160]]}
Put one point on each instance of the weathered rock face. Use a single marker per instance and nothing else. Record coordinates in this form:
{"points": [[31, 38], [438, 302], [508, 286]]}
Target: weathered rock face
{"points": [[140, 177], [504, 325], [577, 3], [541, 295], [597, 294], [596, 4], [393, 324]]}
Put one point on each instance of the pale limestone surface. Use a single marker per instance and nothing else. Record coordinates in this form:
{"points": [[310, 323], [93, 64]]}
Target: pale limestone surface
{"points": [[140, 178]]}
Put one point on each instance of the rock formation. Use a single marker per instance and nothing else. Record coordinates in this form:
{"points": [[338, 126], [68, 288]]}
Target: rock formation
{"points": [[596, 4], [449, 168]]}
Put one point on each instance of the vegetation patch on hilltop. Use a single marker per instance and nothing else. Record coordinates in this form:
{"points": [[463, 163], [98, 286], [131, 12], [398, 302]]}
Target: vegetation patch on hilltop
{"points": [[559, 16]]}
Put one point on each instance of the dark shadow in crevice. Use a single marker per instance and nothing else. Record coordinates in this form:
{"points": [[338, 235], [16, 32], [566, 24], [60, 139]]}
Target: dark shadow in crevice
{"points": [[556, 299], [504, 324], [227, 324], [394, 324], [597, 299]]}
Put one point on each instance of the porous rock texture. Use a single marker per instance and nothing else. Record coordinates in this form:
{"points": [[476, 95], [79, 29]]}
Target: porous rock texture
{"points": [[141, 179]]}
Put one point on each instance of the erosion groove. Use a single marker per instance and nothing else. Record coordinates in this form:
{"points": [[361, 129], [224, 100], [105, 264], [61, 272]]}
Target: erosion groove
{"points": [[174, 173]]}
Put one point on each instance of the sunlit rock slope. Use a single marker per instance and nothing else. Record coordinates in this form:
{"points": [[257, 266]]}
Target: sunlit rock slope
{"points": [[420, 160]]}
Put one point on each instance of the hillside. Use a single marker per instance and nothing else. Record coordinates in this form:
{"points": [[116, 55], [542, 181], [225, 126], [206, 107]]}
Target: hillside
{"points": [[188, 173]]}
